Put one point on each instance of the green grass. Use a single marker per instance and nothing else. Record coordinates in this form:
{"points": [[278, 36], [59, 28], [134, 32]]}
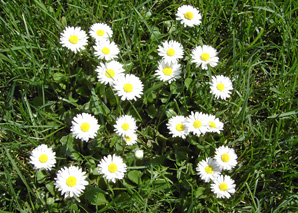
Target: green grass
{"points": [[43, 86]]}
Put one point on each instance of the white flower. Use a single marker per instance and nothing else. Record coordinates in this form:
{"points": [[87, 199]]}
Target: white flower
{"points": [[204, 55], [139, 154], [130, 139], [188, 15], [84, 127], [171, 51], [177, 126], [108, 72], [215, 125], [208, 169], [71, 181], [197, 123], [106, 50], [225, 157], [43, 157], [100, 31], [74, 38], [223, 186], [168, 71], [125, 125], [112, 168], [128, 87], [221, 87]]}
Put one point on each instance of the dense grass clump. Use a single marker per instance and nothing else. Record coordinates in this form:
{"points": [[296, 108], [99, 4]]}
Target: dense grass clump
{"points": [[44, 85]]}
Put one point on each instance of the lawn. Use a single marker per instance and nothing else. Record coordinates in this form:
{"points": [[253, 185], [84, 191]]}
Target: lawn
{"points": [[44, 86]]}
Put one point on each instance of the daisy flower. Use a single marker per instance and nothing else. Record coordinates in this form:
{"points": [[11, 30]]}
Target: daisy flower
{"points": [[112, 168], [71, 181], [188, 15], [43, 157], [74, 38], [128, 87], [168, 71], [125, 125], [221, 86], [177, 126], [204, 55], [139, 154], [100, 31], [84, 127], [215, 125], [225, 157], [223, 186], [130, 139], [171, 51], [208, 169], [108, 72], [106, 50], [197, 123]]}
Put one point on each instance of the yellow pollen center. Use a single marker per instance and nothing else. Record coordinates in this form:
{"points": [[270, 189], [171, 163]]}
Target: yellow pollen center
{"points": [[112, 168], [225, 157], [125, 126], [85, 127], [105, 51], [128, 87], [100, 32], [209, 169], [220, 86], [71, 181], [197, 124], [205, 57], [110, 73], [43, 158], [212, 124], [223, 187], [167, 71], [188, 15], [127, 138], [170, 52], [179, 127], [73, 39]]}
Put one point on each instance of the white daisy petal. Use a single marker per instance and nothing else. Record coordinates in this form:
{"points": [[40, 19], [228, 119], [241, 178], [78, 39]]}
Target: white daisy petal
{"points": [[84, 127], [106, 50], [43, 157], [188, 15], [215, 125], [71, 181], [100, 31], [125, 125], [112, 168], [171, 51], [203, 56], [177, 126], [208, 169], [130, 139], [223, 186], [108, 72], [221, 87], [197, 123], [74, 38], [225, 157], [168, 71]]}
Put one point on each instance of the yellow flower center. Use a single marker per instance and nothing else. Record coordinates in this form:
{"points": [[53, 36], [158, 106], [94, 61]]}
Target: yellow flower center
{"points": [[171, 52], [205, 57], [71, 181], [112, 168], [167, 71], [100, 32], [188, 15], [125, 126], [212, 124], [220, 86], [43, 158], [73, 39], [127, 138], [223, 187], [105, 51], [179, 127], [197, 124], [225, 157], [85, 127], [128, 87], [209, 169], [110, 73]]}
